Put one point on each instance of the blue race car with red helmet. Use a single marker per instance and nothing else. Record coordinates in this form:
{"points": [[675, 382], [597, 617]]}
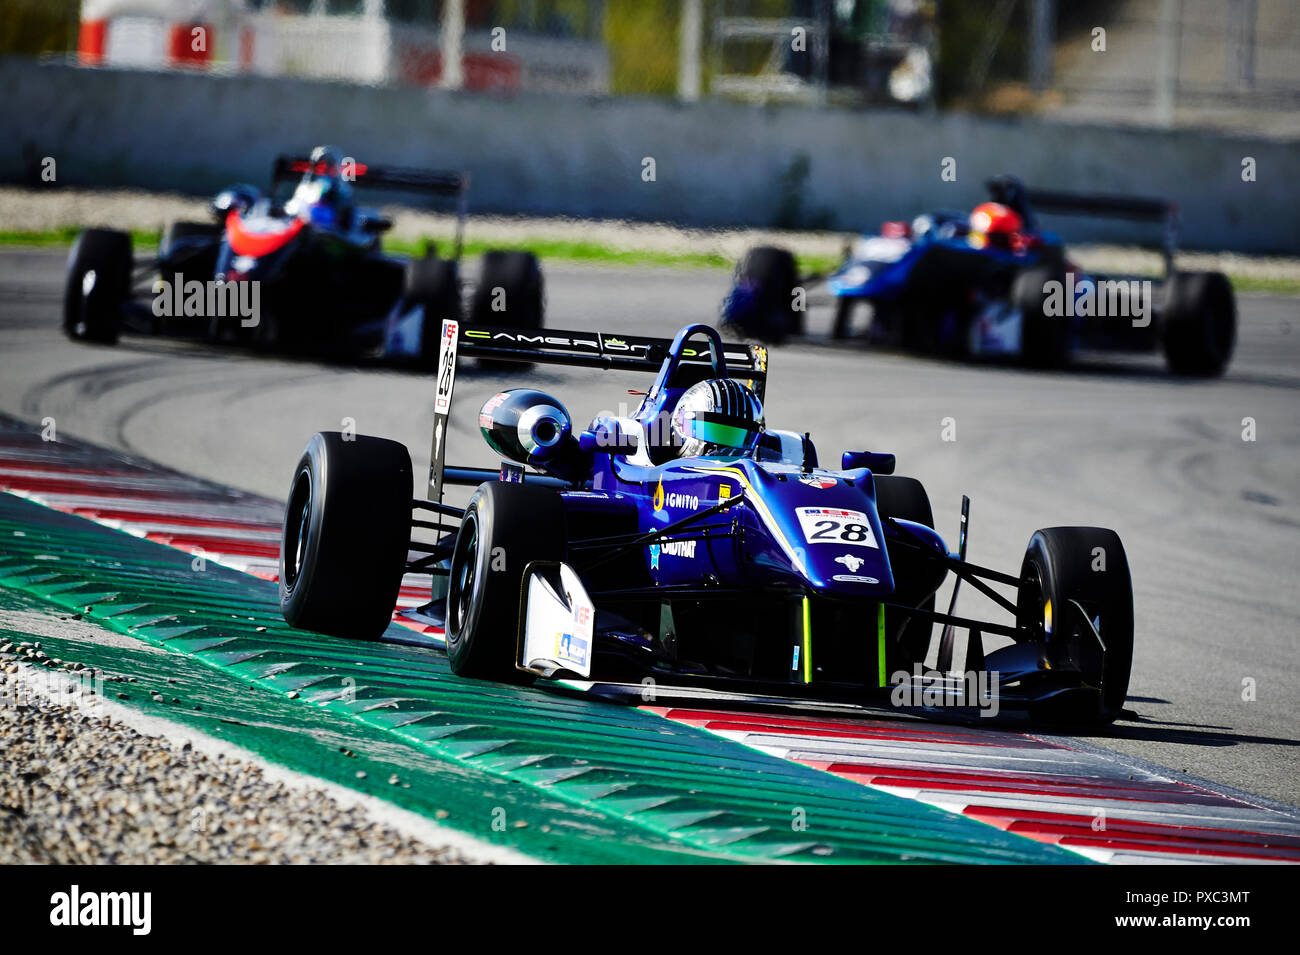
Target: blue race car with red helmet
{"points": [[689, 547], [300, 270], [993, 283]]}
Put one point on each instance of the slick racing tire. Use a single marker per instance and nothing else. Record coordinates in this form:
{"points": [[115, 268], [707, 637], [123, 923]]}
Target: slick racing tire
{"points": [[1065, 569], [505, 528], [1200, 323], [1045, 339], [98, 285], [905, 498], [433, 283], [510, 291], [771, 275], [346, 530]]}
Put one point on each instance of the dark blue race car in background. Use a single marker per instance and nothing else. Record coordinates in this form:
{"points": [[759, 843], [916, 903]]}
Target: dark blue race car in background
{"points": [[298, 269], [994, 283], [688, 545]]}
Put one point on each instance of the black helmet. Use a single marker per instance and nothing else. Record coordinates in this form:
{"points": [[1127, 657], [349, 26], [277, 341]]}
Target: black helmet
{"points": [[717, 416]]}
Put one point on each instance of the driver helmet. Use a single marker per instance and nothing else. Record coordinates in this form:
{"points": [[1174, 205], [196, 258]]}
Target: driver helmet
{"points": [[717, 416], [992, 223], [323, 192]]}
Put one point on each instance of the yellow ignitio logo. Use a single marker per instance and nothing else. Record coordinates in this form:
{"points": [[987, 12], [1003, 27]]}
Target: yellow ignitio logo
{"points": [[659, 496], [1047, 617]]}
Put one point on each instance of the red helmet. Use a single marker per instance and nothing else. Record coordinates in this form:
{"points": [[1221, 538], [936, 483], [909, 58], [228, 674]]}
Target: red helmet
{"points": [[993, 218], [994, 224]]}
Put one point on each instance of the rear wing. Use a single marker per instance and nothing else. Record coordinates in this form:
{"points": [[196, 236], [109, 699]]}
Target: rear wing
{"points": [[430, 182], [1009, 191], [549, 346], [435, 182]]}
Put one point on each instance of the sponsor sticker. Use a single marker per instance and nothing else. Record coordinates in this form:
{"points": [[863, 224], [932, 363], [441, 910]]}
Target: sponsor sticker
{"points": [[671, 549], [571, 649], [835, 525], [491, 405]]}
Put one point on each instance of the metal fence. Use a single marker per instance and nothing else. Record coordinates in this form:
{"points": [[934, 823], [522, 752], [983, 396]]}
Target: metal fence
{"points": [[849, 51], [1232, 63], [1227, 63]]}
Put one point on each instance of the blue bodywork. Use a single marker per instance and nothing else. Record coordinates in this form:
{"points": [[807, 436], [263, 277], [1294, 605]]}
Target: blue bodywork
{"points": [[934, 285], [772, 547], [781, 524], [739, 567]]}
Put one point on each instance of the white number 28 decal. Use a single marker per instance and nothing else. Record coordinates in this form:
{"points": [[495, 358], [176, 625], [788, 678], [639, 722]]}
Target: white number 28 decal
{"points": [[834, 525]]}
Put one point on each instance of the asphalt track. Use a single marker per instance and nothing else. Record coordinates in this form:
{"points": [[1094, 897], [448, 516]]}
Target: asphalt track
{"points": [[1211, 522]]}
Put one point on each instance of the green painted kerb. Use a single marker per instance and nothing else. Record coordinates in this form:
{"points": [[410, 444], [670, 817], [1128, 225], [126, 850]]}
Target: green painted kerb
{"points": [[579, 780]]}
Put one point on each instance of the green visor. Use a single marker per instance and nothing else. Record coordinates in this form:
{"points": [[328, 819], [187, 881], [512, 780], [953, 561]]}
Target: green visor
{"points": [[724, 434]]}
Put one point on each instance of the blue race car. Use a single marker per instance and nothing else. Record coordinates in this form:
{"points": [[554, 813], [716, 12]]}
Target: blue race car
{"points": [[298, 269], [993, 283], [690, 546]]}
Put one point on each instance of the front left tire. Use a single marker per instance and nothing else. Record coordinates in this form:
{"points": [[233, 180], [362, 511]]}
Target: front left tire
{"points": [[347, 527], [97, 286]]}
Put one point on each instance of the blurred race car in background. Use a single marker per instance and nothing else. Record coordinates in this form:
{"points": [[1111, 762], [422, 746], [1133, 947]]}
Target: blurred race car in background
{"points": [[688, 545], [304, 272], [992, 283]]}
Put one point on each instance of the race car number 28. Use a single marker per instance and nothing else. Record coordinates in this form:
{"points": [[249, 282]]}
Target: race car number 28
{"points": [[833, 525]]}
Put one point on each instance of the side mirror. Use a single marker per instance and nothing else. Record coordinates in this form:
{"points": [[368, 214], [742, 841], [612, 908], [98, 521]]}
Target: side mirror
{"points": [[878, 462], [608, 436]]}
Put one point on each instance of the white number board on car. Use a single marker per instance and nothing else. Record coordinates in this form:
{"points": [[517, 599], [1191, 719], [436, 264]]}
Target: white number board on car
{"points": [[834, 525], [446, 367]]}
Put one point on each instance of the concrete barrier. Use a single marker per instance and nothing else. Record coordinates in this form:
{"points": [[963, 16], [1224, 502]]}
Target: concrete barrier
{"points": [[714, 163]]}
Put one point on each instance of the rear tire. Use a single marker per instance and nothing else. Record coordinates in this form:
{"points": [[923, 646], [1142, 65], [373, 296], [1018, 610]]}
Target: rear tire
{"points": [[1087, 566], [433, 283], [772, 276], [1045, 339], [346, 530], [1200, 323], [510, 291], [98, 285], [505, 528]]}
